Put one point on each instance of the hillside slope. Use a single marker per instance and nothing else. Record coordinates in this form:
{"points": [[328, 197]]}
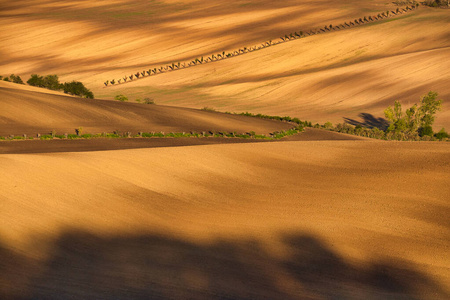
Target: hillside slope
{"points": [[30, 112], [284, 220], [331, 77]]}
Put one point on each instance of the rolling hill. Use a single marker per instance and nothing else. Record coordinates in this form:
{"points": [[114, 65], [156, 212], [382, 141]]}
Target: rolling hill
{"points": [[31, 111], [331, 77], [284, 220], [319, 215]]}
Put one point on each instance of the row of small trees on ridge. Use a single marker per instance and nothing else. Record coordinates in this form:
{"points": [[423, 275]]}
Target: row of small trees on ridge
{"points": [[51, 82], [413, 125], [224, 55], [12, 78]]}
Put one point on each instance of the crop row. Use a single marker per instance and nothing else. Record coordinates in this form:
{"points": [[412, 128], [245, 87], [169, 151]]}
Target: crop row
{"points": [[288, 37], [160, 134]]}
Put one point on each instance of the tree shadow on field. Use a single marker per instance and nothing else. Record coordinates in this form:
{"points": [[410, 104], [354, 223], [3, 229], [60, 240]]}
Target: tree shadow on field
{"points": [[370, 121], [86, 266]]}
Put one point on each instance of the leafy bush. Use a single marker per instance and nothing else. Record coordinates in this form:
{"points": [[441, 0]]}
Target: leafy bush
{"points": [[442, 134], [436, 3], [149, 101], [78, 89], [36, 80], [12, 78], [328, 125], [16, 79], [206, 108], [401, 3], [121, 98], [426, 130], [73, 136], [51, 82], [46, 137], [418, 118]]}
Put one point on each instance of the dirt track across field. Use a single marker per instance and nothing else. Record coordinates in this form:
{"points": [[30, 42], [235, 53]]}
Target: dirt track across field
{"points": [[101, 144]]}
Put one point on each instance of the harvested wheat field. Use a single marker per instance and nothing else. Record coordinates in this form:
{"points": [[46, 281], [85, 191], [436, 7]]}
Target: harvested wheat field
{"points": [[312, 215]]}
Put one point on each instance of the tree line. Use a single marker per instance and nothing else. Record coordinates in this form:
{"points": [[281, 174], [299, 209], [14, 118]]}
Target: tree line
{"points": [[287, 37], [51, 82], [415, 121]]}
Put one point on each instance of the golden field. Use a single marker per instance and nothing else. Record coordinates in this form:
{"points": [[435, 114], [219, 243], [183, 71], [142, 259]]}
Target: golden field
{"points": [[320, 215]]}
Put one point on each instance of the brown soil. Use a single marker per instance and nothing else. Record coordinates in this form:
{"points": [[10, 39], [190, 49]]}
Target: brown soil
{"points": [[289, 220], [319, 215], [33, 112], [353, 74], [102, 144]]}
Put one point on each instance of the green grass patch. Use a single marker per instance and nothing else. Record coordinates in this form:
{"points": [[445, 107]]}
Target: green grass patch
{"points": [[18, 137], [46, 137], [73, 136]]}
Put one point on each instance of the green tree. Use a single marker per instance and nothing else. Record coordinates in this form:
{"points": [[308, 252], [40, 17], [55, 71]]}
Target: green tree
{"points": [[417, 118], [16, 79], [78, 89], [411, 118], [395, 116], [426, 130], [429, 106], [36, 80], [51, 82]]}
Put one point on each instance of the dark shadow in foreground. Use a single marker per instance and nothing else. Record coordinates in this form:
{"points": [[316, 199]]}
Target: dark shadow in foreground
{"points": [[86, 266], [369, 121]]}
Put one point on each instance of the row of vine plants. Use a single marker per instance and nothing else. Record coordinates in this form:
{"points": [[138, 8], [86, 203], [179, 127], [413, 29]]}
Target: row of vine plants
{"points": [[287, 37]]}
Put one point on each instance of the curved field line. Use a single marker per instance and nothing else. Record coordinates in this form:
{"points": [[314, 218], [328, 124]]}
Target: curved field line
{"points": [[287, 38]]}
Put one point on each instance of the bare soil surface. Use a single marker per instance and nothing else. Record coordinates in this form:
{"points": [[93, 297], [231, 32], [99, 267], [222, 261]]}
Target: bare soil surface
{"points": [[318, 215], [352, 74], [102, 144], [33, 112], [285, 220]]}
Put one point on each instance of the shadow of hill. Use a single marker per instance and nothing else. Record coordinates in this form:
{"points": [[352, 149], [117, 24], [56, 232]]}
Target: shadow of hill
{"points": [[86, 266], [369, 121]]}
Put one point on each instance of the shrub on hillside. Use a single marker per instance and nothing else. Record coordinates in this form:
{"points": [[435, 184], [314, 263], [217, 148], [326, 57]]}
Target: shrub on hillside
{"points": [[426, 130], [149, 101], [36, 80], [436, 3], [78, 89], [442, 134], [12, 78], [51, 82], [16, 79], [328, 125], [121, 98]]}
